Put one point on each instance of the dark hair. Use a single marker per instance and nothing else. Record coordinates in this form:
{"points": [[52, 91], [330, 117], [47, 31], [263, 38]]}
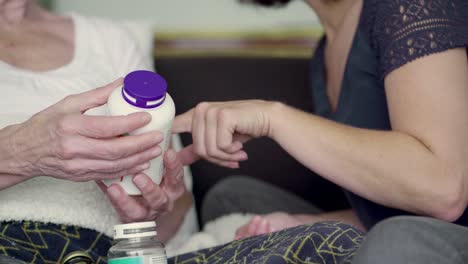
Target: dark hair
{"points": [[267, 2]]}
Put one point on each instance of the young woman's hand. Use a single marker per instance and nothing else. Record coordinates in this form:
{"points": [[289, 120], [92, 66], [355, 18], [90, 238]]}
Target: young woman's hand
{"points": [[63, 142], [155, 200], [220, 129]]}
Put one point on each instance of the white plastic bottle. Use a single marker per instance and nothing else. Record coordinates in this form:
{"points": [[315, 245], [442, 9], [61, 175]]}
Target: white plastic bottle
{"points": [[136, 244], [144, 91]]}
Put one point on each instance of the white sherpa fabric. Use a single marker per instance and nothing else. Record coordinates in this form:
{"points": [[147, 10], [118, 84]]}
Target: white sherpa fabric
{"points": [[49, 200], [217, 232]]}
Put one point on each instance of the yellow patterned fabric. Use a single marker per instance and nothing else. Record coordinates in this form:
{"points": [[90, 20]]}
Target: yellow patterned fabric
{"points": [[321, 243], [33, 242]]}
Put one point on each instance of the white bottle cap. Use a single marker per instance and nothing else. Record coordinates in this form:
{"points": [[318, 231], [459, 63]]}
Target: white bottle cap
{"points": [[135, 230]]}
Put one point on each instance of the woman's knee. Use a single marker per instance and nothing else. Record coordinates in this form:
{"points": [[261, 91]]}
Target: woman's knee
{"points": [[394, 229], [396, 240]]}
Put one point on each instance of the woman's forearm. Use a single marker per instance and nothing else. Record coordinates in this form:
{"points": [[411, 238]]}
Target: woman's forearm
{"points": [[7, 161], [389, 168], [169, 224]]}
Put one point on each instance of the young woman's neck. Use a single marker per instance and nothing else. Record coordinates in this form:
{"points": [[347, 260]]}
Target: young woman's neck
{"points": [[331, 13], [13, 12]]}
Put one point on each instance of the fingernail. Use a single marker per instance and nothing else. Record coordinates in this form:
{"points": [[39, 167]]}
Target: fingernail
{"points": [[144, 166], [170, 155], [113, 192], [243, 156], [156, 151], [140, 181], [158, 137], [146, 117]]}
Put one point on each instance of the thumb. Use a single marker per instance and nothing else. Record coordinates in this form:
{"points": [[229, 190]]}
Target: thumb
{"points": [[187, 155], [183, 122], [91, 99]]}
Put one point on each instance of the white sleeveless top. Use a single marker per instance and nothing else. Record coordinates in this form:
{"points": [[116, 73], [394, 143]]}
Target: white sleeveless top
{"points": [[104, 51]]}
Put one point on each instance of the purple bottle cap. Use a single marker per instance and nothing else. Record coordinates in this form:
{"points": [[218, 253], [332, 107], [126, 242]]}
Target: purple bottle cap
{"points": [[144, 89]]}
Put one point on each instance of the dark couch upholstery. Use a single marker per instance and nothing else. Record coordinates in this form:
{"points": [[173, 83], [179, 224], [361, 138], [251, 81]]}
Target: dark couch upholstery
{"points": [[193, 80]]}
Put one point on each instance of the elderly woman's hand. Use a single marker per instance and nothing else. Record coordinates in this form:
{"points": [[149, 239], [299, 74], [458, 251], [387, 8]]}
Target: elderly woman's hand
{"points": [[155, 200], [220, 129], [64, 143]]}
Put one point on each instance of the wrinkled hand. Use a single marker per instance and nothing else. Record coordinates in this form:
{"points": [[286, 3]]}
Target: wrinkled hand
{"points": [[220, 129], [264, 224], [64, 143], [155, 199]]}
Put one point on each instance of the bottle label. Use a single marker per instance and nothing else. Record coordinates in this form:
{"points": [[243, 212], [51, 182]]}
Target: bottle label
{"points": [[140, 260]]}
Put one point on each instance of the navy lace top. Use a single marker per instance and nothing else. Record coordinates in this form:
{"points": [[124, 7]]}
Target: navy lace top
{"points": [[390, 34]]}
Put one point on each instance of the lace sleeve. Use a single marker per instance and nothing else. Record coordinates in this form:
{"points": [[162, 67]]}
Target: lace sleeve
{"points": [[406, 30]]}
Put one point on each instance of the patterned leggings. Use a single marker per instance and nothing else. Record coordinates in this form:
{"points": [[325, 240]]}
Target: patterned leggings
{"points": [[40, 243], [321, 243]]}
